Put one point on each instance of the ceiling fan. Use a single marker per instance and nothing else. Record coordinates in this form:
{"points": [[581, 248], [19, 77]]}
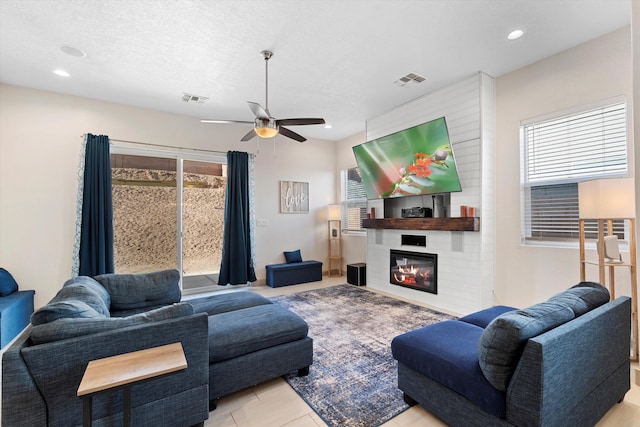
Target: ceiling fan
{"points": [[264, 125]]}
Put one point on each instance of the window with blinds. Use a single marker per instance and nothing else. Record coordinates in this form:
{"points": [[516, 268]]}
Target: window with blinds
{"points": [[354, 201], [560, 152]]}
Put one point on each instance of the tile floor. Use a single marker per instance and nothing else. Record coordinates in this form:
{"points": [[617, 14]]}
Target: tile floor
{"points": [[275, 404]]}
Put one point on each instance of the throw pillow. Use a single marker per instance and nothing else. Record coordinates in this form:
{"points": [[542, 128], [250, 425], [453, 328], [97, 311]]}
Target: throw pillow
{"points": [[128, 291], [293, 256], [81, 292], [502, 342], [93, 285], [71, 328], [8, 284], [69, 309]]}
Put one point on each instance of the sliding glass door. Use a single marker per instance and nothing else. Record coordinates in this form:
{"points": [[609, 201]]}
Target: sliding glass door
{"points": [[203, 197], [168, 213]]}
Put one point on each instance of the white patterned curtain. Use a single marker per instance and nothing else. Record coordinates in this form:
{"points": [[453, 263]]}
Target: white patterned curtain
{"points": [[75, 266]]}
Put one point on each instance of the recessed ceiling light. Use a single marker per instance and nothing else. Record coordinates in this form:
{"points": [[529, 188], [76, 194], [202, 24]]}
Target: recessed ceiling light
{"points": [[61, 73], [328, 126], [515, 34], [72, 51]]}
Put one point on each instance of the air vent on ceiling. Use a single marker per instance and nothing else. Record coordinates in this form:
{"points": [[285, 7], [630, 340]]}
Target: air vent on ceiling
{"points": [[409, 79], [189, 97]]}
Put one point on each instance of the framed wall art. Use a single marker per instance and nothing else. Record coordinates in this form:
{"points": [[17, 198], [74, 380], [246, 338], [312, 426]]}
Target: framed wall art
{"points": [[294, 197]]}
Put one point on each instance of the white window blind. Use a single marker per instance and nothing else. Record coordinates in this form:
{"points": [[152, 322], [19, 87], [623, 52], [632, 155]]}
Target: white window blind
{"points": [[559, 153], [354, 204]]}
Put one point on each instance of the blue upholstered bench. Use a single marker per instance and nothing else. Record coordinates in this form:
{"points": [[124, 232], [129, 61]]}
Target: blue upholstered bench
{"points": [[293, 273], [15, 312]]}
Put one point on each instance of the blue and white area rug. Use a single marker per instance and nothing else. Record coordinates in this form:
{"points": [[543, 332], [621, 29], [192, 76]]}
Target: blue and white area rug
{"points": [[353, 379]]}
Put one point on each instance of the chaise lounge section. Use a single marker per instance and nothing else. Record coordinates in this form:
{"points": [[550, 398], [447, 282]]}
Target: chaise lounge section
{"points": [[563, 362], [251, 341]]}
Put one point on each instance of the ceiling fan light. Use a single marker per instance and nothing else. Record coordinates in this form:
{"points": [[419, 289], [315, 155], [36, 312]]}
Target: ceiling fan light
{"points": [[266, 128]]}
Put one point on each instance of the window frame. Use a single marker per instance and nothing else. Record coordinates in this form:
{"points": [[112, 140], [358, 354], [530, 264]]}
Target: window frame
{"points": [[527, 185], [345, 202]]}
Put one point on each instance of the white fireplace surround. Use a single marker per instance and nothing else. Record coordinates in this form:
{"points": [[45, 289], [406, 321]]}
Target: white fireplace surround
{"points": [[465, 259]]}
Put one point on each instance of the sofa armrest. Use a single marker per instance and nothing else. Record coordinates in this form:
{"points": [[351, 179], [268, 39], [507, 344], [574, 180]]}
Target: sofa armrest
{"points": [[58, 367], [572, 374], [22, 403]]}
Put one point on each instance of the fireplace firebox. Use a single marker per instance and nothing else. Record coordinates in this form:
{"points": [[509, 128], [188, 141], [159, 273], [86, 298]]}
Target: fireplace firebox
{"points": [[414, 270]]}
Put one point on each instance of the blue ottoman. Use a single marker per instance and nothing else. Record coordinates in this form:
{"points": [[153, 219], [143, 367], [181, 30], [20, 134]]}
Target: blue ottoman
{"points": [[293, 273], [15, 314]]}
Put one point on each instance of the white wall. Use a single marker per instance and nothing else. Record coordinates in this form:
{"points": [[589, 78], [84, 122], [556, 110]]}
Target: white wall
{"points": [[588, 73], [40, 140], [465, 259], [354, 245]]}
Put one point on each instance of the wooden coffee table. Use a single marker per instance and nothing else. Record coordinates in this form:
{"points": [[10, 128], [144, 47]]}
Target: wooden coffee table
{"points": [[124, 370]]}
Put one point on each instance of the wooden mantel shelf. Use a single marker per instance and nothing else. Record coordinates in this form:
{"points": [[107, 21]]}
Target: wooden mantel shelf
{"points": [[441, 224]]}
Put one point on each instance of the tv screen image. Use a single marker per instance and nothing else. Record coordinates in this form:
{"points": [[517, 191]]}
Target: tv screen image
{"points": [[411, 162]]}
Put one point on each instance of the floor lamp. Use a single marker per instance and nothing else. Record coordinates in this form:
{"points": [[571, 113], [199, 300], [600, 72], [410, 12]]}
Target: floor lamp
{"points": [[606, 200], [335, 240]]}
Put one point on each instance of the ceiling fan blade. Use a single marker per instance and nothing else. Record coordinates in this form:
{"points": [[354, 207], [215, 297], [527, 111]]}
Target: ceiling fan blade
{"points": [[299, 122], [291, 134], [225, 121], [257, 109], [249, 135]]}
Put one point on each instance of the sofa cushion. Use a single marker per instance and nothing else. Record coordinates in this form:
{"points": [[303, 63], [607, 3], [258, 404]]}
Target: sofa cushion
{"points": [[92, 284], [85, 293], [503, 340], [73, 301], [129, 291], [483, 317], [293, 256], [65, 328], [583, 297], [447, 352], [244, 331], [8, 284], [222, 303], [68, 309]]}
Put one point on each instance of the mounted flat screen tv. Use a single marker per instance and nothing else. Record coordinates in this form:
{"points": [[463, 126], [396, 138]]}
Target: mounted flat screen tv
{"points": [[412, 162]]}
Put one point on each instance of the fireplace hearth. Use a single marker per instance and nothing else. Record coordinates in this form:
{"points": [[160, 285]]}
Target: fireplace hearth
{"points": [[414, 270]]}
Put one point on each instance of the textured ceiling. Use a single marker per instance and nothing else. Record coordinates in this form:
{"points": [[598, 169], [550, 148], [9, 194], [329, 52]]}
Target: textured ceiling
{"points": [[336, 59]]}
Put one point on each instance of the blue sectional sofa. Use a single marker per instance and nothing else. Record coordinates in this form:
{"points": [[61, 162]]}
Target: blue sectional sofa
{"points": [[41, 371], [563, 362], [231, 341]]}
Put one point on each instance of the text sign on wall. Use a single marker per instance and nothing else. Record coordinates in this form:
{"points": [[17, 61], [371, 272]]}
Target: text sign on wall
{"points": [[294, 197]]}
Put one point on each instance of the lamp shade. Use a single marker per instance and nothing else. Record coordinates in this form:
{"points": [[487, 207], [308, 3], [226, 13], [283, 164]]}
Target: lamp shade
{"points": [[333, 212], [607, 198]]}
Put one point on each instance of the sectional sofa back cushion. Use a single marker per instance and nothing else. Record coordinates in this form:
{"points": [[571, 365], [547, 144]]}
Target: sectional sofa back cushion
{"points": [[80, 297], [130, 291], [503, 340], [583, 297], [65, 328]]}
